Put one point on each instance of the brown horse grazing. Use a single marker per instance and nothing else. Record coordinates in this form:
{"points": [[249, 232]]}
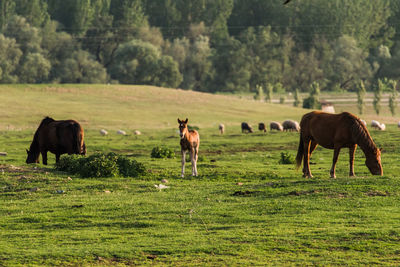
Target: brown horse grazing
{"points": [[190, 140], [335, 131], [58, 137]]}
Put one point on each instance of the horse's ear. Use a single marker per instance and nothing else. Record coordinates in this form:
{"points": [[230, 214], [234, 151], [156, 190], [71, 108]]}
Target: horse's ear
{"points": [[27, 151], [179, 121], [186, 121]]}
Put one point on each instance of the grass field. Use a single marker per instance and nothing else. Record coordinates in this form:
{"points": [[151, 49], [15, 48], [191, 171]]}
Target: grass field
{"points": [[245, 208]]}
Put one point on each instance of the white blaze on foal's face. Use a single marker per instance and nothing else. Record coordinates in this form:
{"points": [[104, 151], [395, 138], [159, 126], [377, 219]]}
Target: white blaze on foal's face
{"points": [[182, 128]]}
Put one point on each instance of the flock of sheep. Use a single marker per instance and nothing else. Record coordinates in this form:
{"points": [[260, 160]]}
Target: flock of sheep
{"points": [[104, 132], [291, 125], [287, 125]]}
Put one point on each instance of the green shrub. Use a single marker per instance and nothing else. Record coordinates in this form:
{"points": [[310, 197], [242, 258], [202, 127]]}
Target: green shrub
{"points": [[129, 167], [286, 158], [162, 152], [71, 163], [100, 165]]}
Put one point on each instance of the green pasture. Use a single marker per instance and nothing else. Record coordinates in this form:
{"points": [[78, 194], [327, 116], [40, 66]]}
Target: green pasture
{"points": [[245, 208]]}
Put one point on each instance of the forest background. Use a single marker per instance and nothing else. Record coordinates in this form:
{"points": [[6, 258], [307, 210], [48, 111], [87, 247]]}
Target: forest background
{"points": [[233, 46]]}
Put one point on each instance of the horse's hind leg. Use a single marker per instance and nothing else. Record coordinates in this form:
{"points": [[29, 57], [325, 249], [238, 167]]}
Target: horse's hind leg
{"points": [[183, 163], [352, 151], [306, 163], [313, 145], [335, 158], [192, 159], [57, 157], [196, 156]]}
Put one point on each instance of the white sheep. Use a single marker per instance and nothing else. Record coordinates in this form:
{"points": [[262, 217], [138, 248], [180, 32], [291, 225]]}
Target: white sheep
{"points": [[274, 125], [290, 125], [103, 132], [377, 125], [221, 128], [121, 132]]}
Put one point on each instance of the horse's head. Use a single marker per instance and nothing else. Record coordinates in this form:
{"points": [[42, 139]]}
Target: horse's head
{"points": [[373, 163], [32, 157], [183, 129]]}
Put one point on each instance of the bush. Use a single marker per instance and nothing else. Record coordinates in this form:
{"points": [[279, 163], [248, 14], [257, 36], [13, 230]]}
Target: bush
{"points": [[193, 127], [129, 167], [162, 152], [286, 158], [100, 165]]}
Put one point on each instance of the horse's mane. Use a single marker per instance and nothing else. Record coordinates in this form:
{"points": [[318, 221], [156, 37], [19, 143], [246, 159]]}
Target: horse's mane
{"points": [[360, 133], [45, 121], [35, 143]]}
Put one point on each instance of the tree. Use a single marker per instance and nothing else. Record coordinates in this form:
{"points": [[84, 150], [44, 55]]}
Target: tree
{"points": [[34, 11], [10, 55], [34, 68], [297, 99], [168, 74], [194, 57], [270, 90], [232, 67], [349, 63], [137, 62], [393, 96], [176, 16], [360, 97], [259, 93], [264, 53], [7, 10], [74, 15], [312, 102], [26, 36], [81, 67], [378, 95]]}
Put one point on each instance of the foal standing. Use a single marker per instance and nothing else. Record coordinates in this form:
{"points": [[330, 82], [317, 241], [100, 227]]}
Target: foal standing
{"points": [[190, 140]]}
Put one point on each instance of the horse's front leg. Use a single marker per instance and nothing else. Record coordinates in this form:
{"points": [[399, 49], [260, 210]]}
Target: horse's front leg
{"points": [[183, 163], [58, 157], [352, 151], [44, 157], [335, 158]]}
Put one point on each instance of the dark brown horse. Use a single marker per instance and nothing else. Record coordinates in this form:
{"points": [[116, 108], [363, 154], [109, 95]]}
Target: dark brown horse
{"points": [[58, 137], [335, 131], [190, 141]]}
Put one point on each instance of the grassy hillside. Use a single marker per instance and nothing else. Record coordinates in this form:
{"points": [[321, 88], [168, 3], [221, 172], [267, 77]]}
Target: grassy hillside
{"points": [[129, 107], [245, 208]]}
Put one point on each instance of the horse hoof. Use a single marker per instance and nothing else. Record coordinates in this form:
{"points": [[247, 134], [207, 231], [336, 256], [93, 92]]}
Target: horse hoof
{"points": [[182, 176], [333, 176]]}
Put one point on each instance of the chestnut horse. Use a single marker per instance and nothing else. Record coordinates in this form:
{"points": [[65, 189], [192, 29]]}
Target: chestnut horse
{"points": [[58, 137], [335, 131], [190, 140]]}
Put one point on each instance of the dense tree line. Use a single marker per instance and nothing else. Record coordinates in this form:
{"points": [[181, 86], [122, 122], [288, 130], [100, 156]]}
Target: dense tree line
{"points": [[203, 45]]}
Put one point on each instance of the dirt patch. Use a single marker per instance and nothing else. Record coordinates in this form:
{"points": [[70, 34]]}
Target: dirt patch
{"points": [[301, 193], [338, 195], [245, 193], [377, 193], [18, 169]]}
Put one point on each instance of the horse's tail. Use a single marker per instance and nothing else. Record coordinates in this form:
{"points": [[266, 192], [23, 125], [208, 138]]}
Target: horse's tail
{"points": [[77, 138], [300, 152]]}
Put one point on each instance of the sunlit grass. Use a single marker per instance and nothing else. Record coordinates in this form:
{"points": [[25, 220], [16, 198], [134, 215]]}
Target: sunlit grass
{"points": [[244, 208]]}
